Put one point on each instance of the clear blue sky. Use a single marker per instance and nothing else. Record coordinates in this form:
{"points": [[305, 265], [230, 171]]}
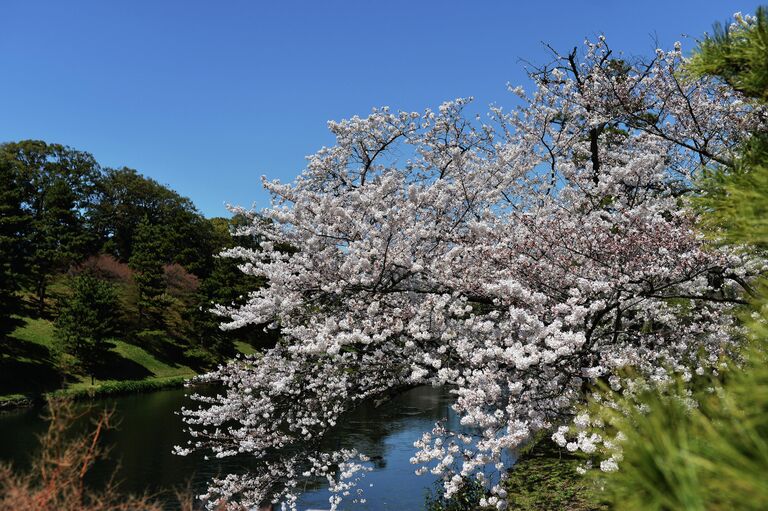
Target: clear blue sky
{"points": [[207, 96]]}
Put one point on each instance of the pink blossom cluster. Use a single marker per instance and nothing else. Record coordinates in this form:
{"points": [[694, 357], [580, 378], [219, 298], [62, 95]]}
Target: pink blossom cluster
{"points": [[517, 261]]}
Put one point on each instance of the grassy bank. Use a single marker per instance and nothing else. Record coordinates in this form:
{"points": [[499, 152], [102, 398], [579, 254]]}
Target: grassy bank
{"points": [[545, 479], [113, 387], [28, 369]]}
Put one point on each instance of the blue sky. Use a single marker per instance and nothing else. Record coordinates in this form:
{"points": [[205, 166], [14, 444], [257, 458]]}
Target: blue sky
{"points": [[205, 97]]}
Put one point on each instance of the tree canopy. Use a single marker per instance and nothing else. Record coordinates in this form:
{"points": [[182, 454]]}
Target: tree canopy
{"points": [[125, 198], [57, 184]]}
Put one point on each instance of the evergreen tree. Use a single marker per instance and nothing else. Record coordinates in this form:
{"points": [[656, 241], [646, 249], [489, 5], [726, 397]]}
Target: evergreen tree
{"points": [[86, 320], [14, 223], [58, 185], [147, 263]]}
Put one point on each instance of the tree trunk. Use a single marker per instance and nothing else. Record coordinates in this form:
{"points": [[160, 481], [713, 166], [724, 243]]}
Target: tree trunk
{"points": [[140, 310], [41, 289]]}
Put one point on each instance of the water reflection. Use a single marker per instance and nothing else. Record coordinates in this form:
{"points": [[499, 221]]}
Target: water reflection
{"points": [[149, 427]]}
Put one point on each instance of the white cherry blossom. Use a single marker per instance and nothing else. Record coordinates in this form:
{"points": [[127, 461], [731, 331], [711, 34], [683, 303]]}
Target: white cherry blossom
{"points": [[516, 261]]}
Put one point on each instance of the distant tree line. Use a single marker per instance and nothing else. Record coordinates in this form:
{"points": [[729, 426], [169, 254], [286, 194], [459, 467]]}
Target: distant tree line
{"points": [[110, 253]]}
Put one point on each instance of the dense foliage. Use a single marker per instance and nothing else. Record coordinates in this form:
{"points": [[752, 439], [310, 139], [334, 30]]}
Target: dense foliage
{"points": [[62, 215], [519, 262], [125, 199], [14, 226], [56, 184]]}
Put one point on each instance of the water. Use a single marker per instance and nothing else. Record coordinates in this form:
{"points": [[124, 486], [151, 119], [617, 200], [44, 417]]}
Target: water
{"points": [[149, 428]]}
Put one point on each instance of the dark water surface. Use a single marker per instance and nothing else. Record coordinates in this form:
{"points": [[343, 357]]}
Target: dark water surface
{"points": [[149, 428]]}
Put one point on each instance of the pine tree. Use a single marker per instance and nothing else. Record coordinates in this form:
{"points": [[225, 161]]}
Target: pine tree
{"points": [[147, 263], [86, 321], [58, 185], [14, 224]]}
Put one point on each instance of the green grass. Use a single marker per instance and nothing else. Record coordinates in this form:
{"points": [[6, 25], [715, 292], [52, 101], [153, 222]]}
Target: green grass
{"points": [[158, 368], [244, 348], [38, 331], [112, 387], [27, 368], [545, 479], [27, 362]]}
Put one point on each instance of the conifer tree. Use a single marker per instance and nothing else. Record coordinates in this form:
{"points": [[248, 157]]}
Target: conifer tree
{"points": [[14, 222], [147, 263], [86, 321], [58, 185]]}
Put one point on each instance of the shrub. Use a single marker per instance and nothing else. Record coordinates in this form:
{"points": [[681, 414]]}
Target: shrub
{"points": [[56, 480]]}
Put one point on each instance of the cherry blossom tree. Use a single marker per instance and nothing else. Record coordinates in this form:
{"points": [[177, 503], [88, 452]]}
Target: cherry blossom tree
{"points": [[516, 260]]}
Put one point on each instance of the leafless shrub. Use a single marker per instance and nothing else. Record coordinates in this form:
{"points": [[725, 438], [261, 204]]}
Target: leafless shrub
{"points": [[56, 480]]}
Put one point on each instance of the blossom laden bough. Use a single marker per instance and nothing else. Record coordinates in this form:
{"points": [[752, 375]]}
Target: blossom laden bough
{"points": [[516, 261]]}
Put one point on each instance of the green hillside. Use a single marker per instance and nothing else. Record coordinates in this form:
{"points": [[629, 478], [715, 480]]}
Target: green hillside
{"points": [[31, 368]]}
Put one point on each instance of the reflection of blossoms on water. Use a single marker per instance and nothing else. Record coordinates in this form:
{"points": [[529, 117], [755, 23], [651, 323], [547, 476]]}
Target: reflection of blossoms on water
{"points": [[385, 432]]}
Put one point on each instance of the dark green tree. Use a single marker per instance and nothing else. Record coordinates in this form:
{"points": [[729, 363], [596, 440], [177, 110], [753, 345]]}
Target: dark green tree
{"points": [[225, 285], [86, 321], [58, 186], [147, 264], [14, 225], [125, 197], [737, 54]]}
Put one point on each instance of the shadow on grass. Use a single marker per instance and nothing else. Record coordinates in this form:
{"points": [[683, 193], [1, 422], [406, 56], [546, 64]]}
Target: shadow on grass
{"points": [[160, 345], [114, 366], [26, 368], [29, 368]]}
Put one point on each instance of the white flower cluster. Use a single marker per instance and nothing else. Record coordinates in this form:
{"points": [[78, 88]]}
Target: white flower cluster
{"points": [[516, 262]]}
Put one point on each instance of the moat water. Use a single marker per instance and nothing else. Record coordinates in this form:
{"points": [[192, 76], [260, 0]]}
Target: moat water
{"points": [[149, 427]]}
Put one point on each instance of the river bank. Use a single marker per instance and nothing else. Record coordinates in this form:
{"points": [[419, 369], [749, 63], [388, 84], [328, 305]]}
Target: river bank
{"points": [[545, 478], [30, 372], [100, 390]]}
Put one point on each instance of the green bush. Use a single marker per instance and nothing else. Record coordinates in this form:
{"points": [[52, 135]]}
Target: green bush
{"points": [[110, 388]]}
